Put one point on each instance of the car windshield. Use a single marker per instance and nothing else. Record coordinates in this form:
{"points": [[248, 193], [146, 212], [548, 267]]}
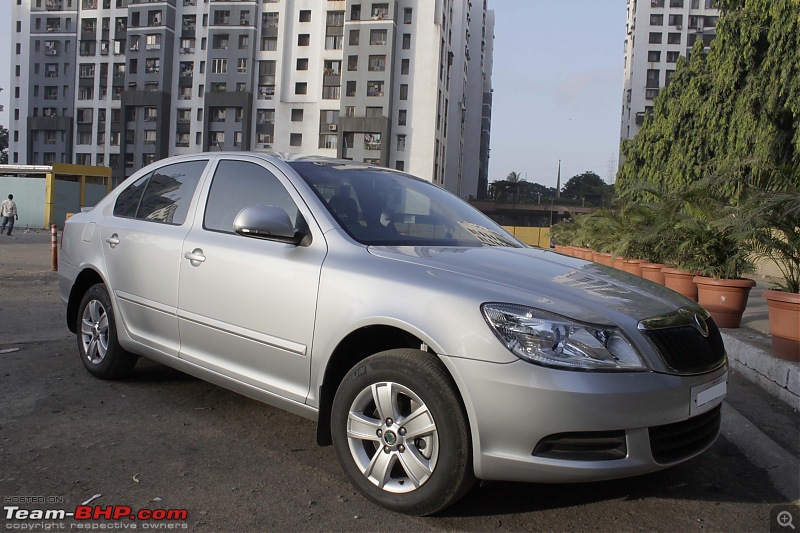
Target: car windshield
{"points": [[386, 208]]}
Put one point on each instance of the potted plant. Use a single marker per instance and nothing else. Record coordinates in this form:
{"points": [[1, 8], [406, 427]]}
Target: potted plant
{"points": [[712, 247], [767, 219]]}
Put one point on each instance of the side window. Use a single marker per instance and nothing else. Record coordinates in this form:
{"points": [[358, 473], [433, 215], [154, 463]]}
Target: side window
{"points": [[128, 200], [169, 192], [240, 184]]}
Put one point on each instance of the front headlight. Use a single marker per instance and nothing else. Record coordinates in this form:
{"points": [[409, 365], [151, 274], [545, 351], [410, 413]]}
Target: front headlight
{"points": [[552, 340]]}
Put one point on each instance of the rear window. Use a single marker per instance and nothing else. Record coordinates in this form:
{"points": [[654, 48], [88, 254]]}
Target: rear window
{"points": [[163, 195]]}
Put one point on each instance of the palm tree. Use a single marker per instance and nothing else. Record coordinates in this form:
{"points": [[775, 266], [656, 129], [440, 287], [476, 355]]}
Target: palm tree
{"points": [[513, 177]]}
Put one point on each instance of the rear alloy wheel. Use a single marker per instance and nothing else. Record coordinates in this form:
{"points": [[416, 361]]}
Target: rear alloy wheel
{"points": [[100, 352], [400, 433]]}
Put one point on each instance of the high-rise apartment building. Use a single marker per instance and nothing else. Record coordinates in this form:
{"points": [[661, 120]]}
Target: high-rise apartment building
{"points": [[400, 83], [658, 32]]}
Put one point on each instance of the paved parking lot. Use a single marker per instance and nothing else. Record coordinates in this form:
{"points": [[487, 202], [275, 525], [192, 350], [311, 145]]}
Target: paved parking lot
{"points": [[165, 440]]}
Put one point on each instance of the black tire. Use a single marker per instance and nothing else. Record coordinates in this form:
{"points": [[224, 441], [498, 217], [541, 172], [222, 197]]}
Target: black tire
{"points": [[441, 457], [98, 347]]}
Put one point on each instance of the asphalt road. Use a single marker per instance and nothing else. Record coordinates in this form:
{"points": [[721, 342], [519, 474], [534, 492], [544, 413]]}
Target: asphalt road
{"points": [[165, 440]]}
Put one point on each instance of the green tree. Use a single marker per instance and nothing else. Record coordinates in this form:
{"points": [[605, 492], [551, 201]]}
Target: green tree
{"points": [[588, 188], [3, 145], [731, 111]]}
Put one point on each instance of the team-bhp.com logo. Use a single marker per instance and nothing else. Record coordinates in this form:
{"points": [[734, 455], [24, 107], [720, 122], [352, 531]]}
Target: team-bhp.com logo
{"points": [[85, 516]]}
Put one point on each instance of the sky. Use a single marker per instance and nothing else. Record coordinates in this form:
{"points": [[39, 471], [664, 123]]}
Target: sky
{"points": [[557, 81]]}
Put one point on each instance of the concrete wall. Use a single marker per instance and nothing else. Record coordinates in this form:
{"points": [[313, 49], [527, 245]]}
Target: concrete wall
{"points": [[29, 195]]}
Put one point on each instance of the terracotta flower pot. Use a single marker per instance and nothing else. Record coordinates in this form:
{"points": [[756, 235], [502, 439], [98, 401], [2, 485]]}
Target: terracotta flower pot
{"points": [[652, 272], [559, 249], [725, 299], [680, 281], [618, 262], [603, 259], [784, 323], [634, 266]]}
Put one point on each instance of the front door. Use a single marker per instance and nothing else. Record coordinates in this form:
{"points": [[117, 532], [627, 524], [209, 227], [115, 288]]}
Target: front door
{"points": [[246, 306]]}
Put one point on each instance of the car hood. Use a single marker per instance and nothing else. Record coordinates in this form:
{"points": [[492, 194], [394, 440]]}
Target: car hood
{"points": [[541, 278]]}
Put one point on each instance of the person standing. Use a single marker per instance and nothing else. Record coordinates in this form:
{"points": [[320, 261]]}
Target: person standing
{"points": [[8, 210]]}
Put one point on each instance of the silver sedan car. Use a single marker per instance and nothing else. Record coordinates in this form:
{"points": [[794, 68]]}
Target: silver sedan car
{"points": [[430, 346]]}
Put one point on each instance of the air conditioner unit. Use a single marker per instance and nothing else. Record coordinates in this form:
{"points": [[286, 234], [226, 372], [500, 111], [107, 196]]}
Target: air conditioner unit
{"points": [[332, 127], [678, 27]]}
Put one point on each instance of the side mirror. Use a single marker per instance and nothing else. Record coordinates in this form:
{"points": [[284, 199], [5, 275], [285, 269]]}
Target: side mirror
{"points": [[271, 223]]}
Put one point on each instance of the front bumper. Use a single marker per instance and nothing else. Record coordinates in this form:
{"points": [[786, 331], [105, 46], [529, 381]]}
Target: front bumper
{"points": [[513, 407]]}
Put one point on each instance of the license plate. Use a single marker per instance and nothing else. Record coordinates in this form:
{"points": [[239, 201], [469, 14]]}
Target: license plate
{"points": [[704, 396]]}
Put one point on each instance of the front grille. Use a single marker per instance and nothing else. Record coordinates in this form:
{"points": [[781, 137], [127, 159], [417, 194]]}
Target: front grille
{"points": [[681, 440], [583, 446], [686, 351]]}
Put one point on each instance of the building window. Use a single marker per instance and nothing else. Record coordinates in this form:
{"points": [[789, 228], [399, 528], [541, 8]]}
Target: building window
{"points": [[303, 39], [152, 42], [300, 87], [404, 91], [241, 65], [328, 141], [656, 20], [676, 20], [152, 65], [297, 115], [355, 12], [372, 141], [380, 11], [182, 140], [404, 66], [149, 136], [334, 30], [222, 17], [219, 66], [407, 15], [351, 89], [655, 38], [266, 91], [402, 117], [270, 20], [302, 63], [352, 63], [656, 3], [374, 111], [295, 139], [672, 57], [150, 113], [377, 37], [377, 63], [674, 38], [331, 92], [220, 42], [374, 88], [653, 76], [401, 143], [676, 3], [244, 41], [305, 15], [269, 44], [407, 42], [265, 116], [653, 56], [353, 40]]}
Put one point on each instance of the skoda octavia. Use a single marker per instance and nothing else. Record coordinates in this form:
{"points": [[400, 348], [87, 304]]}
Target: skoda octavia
{"points": [[430, 346]]}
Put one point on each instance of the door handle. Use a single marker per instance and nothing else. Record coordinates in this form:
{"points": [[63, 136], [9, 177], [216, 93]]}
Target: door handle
{"points": [[195, 257], [113, 241]]}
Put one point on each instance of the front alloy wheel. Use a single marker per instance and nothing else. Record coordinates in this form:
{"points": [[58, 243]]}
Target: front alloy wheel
{"points": [[392, 437], [401, 434]]}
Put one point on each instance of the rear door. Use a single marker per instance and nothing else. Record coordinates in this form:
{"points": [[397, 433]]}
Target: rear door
{"points": [[142, 248], [246, 306]]}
